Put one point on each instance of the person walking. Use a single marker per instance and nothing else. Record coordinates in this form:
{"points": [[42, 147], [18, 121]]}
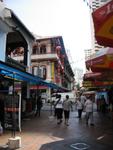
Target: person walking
{"points": [[39, 105], [2, 112], [89, 110], [103, 104], [59, 109], [54, 104], [83, 98], [67, 106], [79, 106]]}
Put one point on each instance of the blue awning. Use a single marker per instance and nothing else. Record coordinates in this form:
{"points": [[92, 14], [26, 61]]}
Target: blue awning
{"points": [[16, 74]]}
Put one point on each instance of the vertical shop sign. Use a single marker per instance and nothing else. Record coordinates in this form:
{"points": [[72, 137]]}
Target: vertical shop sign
{"points": [[12, 109], [52, 71]]}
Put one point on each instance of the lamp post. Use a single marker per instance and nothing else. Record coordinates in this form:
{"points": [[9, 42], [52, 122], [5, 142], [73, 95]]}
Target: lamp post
{"points": [[13, 109], [14, 142]]}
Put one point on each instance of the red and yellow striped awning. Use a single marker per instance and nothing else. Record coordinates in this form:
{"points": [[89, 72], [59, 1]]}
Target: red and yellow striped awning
{"points": [[102, 61], [103, 24]]}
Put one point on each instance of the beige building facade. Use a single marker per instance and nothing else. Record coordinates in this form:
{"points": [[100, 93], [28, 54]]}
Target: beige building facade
{"points": [[50, 61]]}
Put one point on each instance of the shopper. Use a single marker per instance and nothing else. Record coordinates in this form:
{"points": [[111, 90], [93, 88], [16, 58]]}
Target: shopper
{"points": [[2, 113], [83, 98], [89, 110], [67, 106], [103, 104], [54, 103], [80, 106], [59, 109], [111, 110], [39, 106]]}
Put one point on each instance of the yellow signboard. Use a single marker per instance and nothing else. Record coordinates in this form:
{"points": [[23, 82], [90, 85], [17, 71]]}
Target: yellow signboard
{"points": [[52, 71]]}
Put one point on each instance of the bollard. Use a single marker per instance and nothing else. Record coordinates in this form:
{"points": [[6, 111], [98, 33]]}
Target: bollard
{"points": [[14, 143]]}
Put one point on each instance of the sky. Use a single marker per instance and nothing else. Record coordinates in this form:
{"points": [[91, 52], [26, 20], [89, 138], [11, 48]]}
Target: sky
{"points": [[67, 18]]}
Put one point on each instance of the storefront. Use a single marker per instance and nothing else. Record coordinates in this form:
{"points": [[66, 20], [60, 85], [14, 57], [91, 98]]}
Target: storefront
{"points": [[9, 77]]}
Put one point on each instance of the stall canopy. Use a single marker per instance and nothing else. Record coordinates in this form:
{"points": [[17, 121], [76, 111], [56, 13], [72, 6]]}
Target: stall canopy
{"points": [[103, 24], [103, 60], [92, 75], [97, 83], [13, 73]]}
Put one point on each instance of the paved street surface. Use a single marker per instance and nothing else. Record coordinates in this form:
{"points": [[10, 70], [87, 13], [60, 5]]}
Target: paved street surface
{"points": [[44, 134]]}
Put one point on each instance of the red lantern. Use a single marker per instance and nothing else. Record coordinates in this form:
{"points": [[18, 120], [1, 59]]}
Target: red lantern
{"points": [[58, 49]]}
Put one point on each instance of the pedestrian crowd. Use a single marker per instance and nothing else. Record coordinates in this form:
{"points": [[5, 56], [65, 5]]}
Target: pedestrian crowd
{"points": [[62, 107]]}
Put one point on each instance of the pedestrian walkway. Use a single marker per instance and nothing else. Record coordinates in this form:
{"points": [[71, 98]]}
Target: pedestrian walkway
{"points": [[44, 134]]}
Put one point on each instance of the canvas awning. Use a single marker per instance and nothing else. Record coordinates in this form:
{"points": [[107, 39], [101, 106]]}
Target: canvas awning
{"points": [[102, 61], [103, 24], [18, 75], [97, 83], [92, 75]]}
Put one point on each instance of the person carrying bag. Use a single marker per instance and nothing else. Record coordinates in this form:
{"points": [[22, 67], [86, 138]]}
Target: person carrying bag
{"points": [[59, 109]]}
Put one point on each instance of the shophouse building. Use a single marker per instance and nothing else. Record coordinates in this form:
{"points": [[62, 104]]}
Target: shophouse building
{"points": [[50, 62], [50, 67], [12, 34], [15, 41]]}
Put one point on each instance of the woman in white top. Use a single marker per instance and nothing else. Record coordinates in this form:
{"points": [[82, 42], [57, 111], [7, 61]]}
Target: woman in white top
{"points": [[59, 109], [79, 105], [67, 105], [89, 110]]}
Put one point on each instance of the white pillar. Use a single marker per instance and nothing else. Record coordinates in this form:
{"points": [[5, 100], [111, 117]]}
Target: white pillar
{"points": [[2, 46], [29, 57], [29, 64], [49, 71], [49, 93], [48, 47]]}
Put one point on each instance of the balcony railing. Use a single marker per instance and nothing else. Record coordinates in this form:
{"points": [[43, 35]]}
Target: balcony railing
{"points": [[46, 56], [15, 64]]}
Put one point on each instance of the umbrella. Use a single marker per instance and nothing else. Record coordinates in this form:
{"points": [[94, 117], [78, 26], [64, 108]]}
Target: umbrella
{"points": [[103, 60], [103, 24]]}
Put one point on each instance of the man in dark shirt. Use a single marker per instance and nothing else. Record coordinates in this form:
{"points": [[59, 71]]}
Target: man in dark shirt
{"points": [[39, 106]]}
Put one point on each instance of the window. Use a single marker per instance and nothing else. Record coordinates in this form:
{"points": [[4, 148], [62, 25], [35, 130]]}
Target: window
{"points": [[35, 50], [43, 49], [42, 72]]}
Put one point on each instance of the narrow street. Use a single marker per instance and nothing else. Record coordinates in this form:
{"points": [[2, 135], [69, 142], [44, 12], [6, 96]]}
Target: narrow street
{"points": [[44, 134]]}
